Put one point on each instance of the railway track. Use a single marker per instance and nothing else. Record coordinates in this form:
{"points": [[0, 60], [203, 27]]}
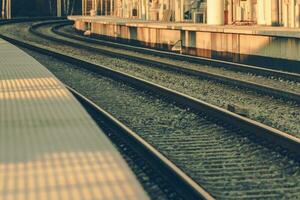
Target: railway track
{"points": [[213, 146], [186, 187], [260, 88], [160, 177], [188, 73], [180, 57]]}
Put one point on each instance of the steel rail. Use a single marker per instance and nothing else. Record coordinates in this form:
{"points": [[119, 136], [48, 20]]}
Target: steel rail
{"points": [[273, 136], [259, 88], [184, 184]]}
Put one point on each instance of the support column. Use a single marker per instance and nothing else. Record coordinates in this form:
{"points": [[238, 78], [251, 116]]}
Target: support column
{"points": [[250, 10], [177, 10], [297, 16], [111, 8], [182, 2], [230, 12], [106, 7], [85, 7], [292, 13], [268, 12], [261, 20], [147, 10], [123, 10], [285, 14], [161, 10], [215, 12], [97, 7], [8, 9], [139, 9], [58, 8], [275, 12], [82, 7], [3, 9], [143, 9]]}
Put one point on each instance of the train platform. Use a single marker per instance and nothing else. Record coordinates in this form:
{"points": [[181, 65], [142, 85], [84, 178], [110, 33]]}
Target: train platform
{"points": [[50, 148], [189, 26], [273, 46]]}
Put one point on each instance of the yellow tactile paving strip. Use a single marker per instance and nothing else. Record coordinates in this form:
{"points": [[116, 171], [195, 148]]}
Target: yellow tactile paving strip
{"points": [[49, 146]]}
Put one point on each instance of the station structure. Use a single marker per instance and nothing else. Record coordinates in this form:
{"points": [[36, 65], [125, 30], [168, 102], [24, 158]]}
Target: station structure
{"points": [[217, 29], [215, 12]]}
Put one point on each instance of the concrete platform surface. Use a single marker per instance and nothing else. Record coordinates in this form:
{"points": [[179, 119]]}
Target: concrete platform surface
{"points": [[249, 30], [50, 148]]}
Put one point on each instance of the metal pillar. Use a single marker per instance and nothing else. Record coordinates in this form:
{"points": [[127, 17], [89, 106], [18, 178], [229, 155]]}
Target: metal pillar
{"points": [[143, 9], [9, 10], [58, 8], [124, 10], [261, 20], [179, 10], [285, 14], [6, 9], [111, 8], [250, 10], [100, 7], [83, 5], [106, 7], [268, 12], [215, 12], [82, 1], [93, 4], [297, 15], [182, 10], [3, 9], [96, 6], [292, 13], [275, 12], [161, 10], [230, 12], [147, 9]]}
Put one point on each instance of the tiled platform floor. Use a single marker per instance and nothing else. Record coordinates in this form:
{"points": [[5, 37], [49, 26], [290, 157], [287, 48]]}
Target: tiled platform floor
{"points": [[50, 148]]}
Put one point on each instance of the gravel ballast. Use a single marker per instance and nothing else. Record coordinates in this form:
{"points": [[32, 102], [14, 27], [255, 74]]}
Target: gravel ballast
{"points": [[223, 161]]}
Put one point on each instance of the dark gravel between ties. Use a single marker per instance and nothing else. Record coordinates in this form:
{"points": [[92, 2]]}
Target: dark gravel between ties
{"points": [[154, 185], [229, 165]]}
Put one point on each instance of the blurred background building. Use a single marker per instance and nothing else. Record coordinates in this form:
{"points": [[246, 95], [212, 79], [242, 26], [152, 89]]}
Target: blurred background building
{"points": [[262, 12], [31, 8]]}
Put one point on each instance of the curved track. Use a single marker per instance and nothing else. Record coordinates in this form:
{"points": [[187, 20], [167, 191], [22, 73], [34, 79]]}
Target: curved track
{"points": [[58, 29], [229, 155], [149, 69], [184, 185], [260, 88]]}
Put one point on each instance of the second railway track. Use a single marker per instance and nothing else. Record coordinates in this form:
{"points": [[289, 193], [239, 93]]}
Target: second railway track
{"points": [[224, 79], [63, 30], [216, 148]]}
